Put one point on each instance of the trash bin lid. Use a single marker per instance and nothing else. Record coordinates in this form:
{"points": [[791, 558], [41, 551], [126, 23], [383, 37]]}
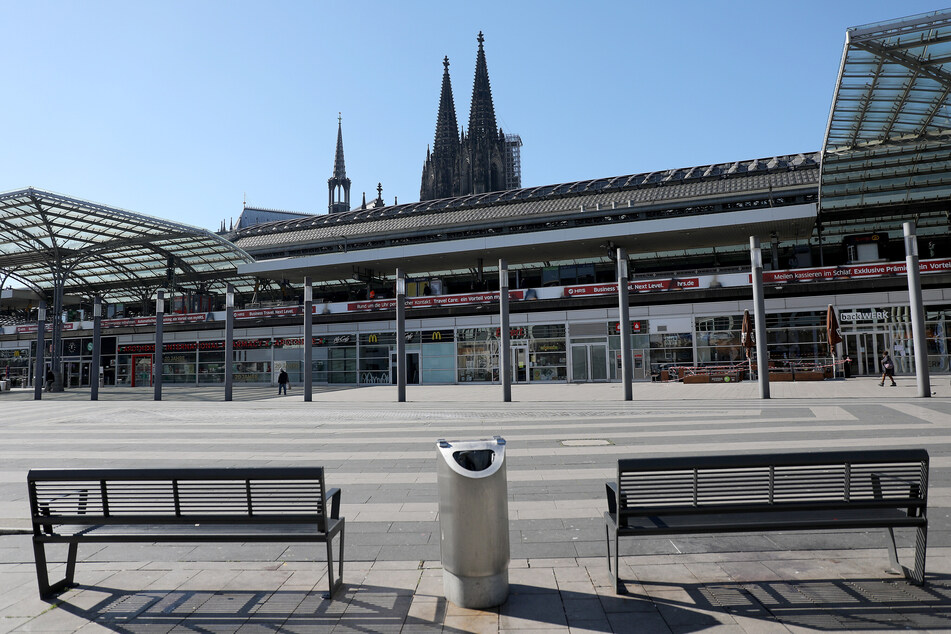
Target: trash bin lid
{"points": [[473, 458]]}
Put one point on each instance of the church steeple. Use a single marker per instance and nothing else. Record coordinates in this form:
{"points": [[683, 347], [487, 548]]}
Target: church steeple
{"points": [[482, 112], [465, 161], [338, 185]]}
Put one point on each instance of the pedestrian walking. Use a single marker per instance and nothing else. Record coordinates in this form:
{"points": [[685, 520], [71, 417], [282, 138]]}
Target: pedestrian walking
{"points": [[282, 382], [50, 377], [888, 369]]}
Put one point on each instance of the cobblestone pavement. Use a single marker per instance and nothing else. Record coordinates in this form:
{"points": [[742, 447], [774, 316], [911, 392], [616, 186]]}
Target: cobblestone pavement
{"points": [[563, 443]]}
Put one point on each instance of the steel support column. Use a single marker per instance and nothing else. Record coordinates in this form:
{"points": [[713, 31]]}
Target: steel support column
{"points": [[229, 342], [158, 358], [505, 366], [759, 317], [39, 379], [917, 311], [308, 340], [96, 349], [624, 325], [400, 336]]}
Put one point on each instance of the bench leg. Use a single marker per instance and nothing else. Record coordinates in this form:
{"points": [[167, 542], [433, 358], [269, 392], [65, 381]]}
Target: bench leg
{"points": [[921, 545], [895, 566], [42, 573], [334, 582]]}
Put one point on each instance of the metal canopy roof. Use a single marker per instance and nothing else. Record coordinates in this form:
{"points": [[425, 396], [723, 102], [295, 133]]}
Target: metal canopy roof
{"points": [[888, 140], [47, 239]]}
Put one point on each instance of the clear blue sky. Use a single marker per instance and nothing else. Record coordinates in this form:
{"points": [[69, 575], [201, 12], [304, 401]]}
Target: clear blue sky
{"points": [[180, 109]]}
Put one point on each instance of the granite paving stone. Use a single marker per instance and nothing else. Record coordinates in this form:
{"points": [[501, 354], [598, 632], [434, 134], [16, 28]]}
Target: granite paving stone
{"points": [[382, 456]]}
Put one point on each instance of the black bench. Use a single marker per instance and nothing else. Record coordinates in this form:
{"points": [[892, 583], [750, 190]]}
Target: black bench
{"points": [[74, 506], [772, 492]]}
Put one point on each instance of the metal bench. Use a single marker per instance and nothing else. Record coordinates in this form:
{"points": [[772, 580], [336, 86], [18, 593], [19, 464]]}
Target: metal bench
{"points": [[74, 506], [771, 492]]}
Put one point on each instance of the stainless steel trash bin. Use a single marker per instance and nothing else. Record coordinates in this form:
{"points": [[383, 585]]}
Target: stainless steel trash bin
{"points": [[473, 521]]}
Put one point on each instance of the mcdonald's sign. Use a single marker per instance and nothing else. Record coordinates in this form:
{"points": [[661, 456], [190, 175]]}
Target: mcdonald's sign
{"points": [[440, 335], [373, 338], [437, 336]]}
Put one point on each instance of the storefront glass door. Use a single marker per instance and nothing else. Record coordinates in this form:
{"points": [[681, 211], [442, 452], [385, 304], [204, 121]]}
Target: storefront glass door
{"points": [[865, 349], [142, 370], [520, 364], [589, 362]]}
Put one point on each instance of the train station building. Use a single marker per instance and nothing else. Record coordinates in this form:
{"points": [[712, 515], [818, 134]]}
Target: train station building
{"points": [[830, 221]]}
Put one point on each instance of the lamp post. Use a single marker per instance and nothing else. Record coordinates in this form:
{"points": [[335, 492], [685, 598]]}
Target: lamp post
{"points": [[505, 366], [229, 342], [759, 317], [308, 340], [96, 349], [917, 311], [624, 324], [159, 347], [400, 336], [40, 377]]}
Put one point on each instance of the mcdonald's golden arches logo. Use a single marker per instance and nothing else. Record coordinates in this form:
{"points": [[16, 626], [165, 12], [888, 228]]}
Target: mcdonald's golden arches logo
{"points": [[373, 338], [437, 336]]}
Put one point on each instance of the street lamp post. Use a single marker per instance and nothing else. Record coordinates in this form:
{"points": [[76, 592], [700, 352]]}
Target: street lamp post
{"points": [[505, 365], [400, 336]]}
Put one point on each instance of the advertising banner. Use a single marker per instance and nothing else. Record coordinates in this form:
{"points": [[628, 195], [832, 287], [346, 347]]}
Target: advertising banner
{"points": [[69, 325], [189, 318], [852, 271], [434, 300]]}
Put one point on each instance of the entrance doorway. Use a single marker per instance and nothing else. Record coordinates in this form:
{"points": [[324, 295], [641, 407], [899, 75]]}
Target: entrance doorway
{"points": [[141, 370], [412, 367], [589, 362], [519, 361], [865, 349], [640, 365]]}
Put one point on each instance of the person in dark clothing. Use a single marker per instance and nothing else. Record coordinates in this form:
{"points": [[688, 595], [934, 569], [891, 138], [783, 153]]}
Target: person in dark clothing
{"points": [[888, 369], [282, 382], [50, 377]]}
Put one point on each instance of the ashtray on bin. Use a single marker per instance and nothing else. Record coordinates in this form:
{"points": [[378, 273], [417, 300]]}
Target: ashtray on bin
{"points": [[473, 521]]}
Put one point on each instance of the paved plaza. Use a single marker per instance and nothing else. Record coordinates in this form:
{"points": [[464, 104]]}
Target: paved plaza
{"points": [[563, 444]]}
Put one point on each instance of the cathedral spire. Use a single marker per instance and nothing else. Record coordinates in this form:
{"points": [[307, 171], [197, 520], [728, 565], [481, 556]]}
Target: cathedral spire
{"points": [[338, 185], [447, 130], [482, 112]]}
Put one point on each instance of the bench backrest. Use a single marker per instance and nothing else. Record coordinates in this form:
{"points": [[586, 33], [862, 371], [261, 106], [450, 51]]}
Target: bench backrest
{"points": [[832, 479], [225, 495]]}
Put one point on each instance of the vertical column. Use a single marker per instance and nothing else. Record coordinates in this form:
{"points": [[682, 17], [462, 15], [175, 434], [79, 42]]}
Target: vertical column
{"points": [[400, 336], [229, 343], [505, 366], [308, 340], [56, 354], [759, 317], [917, 311], [40, 379], [96, 349], [624, 324], [158, 357]]}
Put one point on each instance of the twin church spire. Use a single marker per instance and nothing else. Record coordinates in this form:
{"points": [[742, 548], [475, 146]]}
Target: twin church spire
{"points": [[461, 162], [466, 163]]}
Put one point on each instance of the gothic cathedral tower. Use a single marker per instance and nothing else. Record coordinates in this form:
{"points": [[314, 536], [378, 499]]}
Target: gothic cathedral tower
{"points": [[462, 164], [338, 185]]}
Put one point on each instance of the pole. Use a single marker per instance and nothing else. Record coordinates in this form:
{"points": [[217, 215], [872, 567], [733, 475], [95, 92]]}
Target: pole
{"points": [[400, 336], [308, 340], [917, 311], [229, 343], [159, 347], [624, 325], [505, 365], [96, 349], [56, 354], [759, 317], [40, 377]]}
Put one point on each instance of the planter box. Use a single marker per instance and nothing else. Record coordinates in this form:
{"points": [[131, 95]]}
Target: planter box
{"points": [[780, 376], [697, 378]]}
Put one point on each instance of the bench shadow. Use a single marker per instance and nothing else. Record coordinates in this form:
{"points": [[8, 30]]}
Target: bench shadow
{"points": [[356, 608], [817, 604]]}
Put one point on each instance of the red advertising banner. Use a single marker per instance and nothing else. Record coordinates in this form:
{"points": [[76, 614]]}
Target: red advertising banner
{"points": [[49, 326], [256, 313], [852, 271], [640, 286], [437, 300], [150, 321]]}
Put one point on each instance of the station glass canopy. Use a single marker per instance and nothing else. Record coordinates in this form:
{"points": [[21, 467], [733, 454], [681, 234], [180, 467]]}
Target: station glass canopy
{"points": [[53, 242], [888, 140]]}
